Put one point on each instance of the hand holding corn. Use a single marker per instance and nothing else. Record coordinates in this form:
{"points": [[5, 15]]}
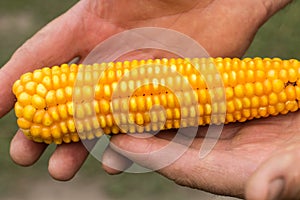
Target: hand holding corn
{"points": [[229, 169]]}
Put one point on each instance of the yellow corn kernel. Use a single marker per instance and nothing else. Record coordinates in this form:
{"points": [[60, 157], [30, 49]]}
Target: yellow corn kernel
{"points": [[56, 132], [96, 107], [133, 104], [70, 108], [277, 85], [18, 110], [30, 87], [259, 88], [37, 139], [267, 86], [58, 140], [250, 76], [291, 106], [67, 139], [246, 103], [290, 92], [280, 107], [248, 89], [282, 96], [53, 111], [297, 90], [46, 71], [38, 116], [38, 102], [68, 93], [272, 74], [37, 76], [55, 81], [139, 119], [292, 75], [104, 106], [259, 75], [36, 130], [71, 125], [273, 99], [47, 119], [18, 88], [41, 90], [246, 113], [23, 123], [47, 82], [102, 121], [63, 80], [87, 125], [283, 75], [26, 78], [272, 110], [60, 96], [63, 127], [262, 111], [239, 91], [55, 70], [95, 123], [63, 111], [51, 98], [46, 133], [29, 112], [24, 99], [264, 101]]}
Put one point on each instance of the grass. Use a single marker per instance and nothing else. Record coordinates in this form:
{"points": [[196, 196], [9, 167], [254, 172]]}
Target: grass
{"points": [[21, 19], [279, 37]]}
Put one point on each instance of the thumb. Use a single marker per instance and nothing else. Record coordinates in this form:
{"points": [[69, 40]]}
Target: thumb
{"points": [[277, 178], [149, 151]]}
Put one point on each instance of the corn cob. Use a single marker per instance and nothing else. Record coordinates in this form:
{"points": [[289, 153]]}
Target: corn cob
{"points": [[253, 88]]}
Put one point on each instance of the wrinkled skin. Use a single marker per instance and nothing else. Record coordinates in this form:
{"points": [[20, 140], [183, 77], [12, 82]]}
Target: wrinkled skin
{"points": [[254, 160]]}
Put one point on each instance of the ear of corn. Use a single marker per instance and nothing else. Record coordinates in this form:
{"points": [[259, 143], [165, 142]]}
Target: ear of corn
{"points": [[49, 99]]}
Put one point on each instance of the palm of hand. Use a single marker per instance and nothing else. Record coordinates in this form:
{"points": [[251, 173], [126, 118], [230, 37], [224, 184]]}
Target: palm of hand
{"points": [[213, 25], [265, 145]]}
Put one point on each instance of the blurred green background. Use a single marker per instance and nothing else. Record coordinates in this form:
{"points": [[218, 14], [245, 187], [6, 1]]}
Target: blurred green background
{"points": [[19, 20]]}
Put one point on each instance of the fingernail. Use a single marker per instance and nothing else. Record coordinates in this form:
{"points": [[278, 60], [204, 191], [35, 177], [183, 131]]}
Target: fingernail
{"points": [[276, 188]]}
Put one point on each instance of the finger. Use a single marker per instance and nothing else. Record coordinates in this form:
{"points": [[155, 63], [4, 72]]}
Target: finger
{"points": [[277, 178], [114, 163], [55, 44], [25, 152], [181, 137], [194, 137], [150, 151], [183, 165], [227, 131], [67, 160]]}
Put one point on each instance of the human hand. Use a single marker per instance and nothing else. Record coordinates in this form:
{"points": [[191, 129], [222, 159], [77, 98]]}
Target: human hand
{"points": [[251, 159], [89, 22]]}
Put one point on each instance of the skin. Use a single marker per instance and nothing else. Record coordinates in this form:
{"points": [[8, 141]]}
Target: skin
{"points": [[253, 160]]}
